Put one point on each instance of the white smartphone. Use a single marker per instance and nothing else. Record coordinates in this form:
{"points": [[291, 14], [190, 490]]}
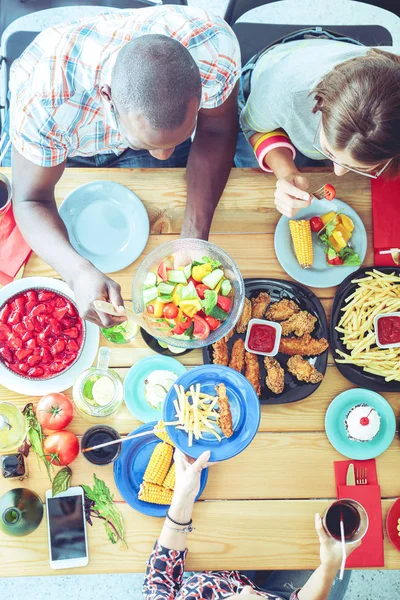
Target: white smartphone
{"points": [[66, 527]]}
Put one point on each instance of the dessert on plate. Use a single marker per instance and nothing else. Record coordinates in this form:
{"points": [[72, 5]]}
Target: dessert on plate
{"points": [[362, 423]]}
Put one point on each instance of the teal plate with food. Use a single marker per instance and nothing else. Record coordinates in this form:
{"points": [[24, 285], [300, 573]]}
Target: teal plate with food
{"points": [[347, 239], [360, 424], [147, 384], [212, 408]]}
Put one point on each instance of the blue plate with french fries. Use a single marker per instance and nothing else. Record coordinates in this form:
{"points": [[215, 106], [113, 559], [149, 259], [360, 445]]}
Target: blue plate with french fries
{"points": [[212, 408], [130, 468]]}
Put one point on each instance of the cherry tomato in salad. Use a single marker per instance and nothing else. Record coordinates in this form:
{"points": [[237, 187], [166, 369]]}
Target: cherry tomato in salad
{"points": [[201, 328], [162, 271], [181, 327], [150, 309], [170, 310], [212, 323], [329, 192], [224, 303], [316, 224], [334, 261], [200, 289]]}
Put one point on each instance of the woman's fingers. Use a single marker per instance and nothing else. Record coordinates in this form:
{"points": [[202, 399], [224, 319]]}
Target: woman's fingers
{"points": [[201, 462], [285, 187], [322, 535]]}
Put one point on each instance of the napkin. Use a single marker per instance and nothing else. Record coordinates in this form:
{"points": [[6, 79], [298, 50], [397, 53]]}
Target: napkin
{"points": [[370, 553], [386, 218], [14, 251]]}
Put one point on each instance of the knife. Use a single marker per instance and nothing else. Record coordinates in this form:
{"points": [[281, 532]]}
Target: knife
{"points": [[350, 478]]}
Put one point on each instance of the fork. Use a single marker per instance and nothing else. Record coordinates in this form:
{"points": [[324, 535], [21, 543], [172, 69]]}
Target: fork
{"points": [[361, 476]]}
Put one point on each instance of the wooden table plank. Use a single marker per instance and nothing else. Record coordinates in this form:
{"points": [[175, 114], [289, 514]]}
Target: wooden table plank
{"points": [[274, 466], [272, 535], [246, 205], [306, 415], [255, 256]]}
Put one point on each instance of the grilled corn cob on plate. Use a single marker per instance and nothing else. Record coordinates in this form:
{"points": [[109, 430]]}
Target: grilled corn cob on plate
{"points": [[151, 458], [292, 246]]}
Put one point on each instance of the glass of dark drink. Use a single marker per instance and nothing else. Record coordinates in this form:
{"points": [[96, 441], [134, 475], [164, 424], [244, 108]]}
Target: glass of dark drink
{"points": [[354, 516], [5, 193], [100, 434]]}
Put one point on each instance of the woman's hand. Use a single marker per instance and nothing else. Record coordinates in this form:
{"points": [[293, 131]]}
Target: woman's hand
{"points": [[331, 549], [188, 474], [291, 195]]}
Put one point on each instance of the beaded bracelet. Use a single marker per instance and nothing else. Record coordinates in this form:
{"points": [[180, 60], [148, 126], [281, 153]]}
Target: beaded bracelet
{"points": [[177, 522]]}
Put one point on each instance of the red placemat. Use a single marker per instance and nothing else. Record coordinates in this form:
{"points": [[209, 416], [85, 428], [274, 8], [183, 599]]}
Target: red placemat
{"points": [[386, 218], [14, 251], [370, 553]]}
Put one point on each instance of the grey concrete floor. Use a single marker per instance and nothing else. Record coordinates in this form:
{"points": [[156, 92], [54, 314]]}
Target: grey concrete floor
{"points": [[364, 585]]}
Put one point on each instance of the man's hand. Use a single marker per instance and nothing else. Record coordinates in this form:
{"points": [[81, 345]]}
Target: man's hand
{"points": [[291, 195], [90, 285]]}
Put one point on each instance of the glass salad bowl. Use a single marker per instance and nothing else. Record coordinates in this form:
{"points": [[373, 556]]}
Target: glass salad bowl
{"points": [[176, 301]]}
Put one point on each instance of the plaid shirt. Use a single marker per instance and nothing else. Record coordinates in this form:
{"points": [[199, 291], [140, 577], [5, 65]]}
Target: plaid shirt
{"points": [[56, 106]]}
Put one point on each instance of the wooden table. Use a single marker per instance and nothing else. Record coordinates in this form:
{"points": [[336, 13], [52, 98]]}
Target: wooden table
{"points": [[257, 511]]}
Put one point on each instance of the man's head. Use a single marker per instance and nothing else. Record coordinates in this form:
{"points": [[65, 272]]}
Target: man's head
{"points": [[155, 93]]}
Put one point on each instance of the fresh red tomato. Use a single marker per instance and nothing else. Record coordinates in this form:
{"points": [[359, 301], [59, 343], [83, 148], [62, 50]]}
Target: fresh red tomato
{"points": [[334, 261], [150, 309], [212, 323], [54, 411], [162, 271], [182, 326], [64, 444], [193, 281], [170, 310], [329, 191], [201, 288], [316, 224], [224, 303], [201, 328]]}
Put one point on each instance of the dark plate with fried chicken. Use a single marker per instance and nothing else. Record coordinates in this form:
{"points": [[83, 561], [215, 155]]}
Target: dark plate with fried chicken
{"points": [[299, 367]]}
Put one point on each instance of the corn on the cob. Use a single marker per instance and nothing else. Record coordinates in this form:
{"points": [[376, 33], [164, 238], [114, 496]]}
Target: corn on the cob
{"points": [[163, 435], [302, 241], [159, 464], [170, 478], [155, 494]]}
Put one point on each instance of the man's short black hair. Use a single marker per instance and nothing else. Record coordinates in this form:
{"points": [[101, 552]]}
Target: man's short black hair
{"points": [[157, 77]]}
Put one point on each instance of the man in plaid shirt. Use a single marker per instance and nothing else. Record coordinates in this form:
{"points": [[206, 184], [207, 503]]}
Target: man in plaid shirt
{"points": [[128, 89]]}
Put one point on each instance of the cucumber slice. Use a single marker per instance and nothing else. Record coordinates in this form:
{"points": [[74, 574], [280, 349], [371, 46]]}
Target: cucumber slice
{"points": [[213, 278], [226, 287], [149, 295], [165, 288], [176, 350], [150, 281], [218, 313], [162, 344], [176, 276], [165, 298], [188, 270]]}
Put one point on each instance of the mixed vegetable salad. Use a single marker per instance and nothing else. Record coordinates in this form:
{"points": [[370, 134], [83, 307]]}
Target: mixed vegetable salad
{"points": [[334, 231], [187, 302]]}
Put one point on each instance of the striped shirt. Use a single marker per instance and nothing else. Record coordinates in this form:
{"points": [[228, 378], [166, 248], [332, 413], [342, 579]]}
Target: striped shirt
{"points": [[57, 110]]}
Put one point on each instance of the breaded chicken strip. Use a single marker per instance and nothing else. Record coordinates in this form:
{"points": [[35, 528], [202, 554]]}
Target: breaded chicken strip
{"points": [[282, 310], [302, 369], [259, 305], [299, 324], [225, 415], [275, 379], [220, 353], [237, 355], [252, 372], [305, 346], [229, 335], [245, 317]]}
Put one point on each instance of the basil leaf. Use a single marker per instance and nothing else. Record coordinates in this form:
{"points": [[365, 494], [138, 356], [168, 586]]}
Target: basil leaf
{"points": [[61, 481]]}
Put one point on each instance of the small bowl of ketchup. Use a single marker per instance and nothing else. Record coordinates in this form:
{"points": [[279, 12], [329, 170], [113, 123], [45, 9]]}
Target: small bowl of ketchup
{"points": [[263, 337], [387, 330]]}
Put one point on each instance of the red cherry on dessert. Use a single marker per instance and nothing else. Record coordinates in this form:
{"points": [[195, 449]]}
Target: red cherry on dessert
{"points": [[364, 421]]}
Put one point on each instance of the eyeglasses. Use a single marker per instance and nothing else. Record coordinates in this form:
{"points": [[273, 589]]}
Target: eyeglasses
{"points": [[317, 146]]}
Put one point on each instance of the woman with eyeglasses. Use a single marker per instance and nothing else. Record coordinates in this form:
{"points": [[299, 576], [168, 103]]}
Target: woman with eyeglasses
{"points": [[310, 100], [164, 578]]}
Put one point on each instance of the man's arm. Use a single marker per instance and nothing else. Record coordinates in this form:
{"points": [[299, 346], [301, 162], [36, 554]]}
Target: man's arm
{"points": [[37, 217], [209, 164]]}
